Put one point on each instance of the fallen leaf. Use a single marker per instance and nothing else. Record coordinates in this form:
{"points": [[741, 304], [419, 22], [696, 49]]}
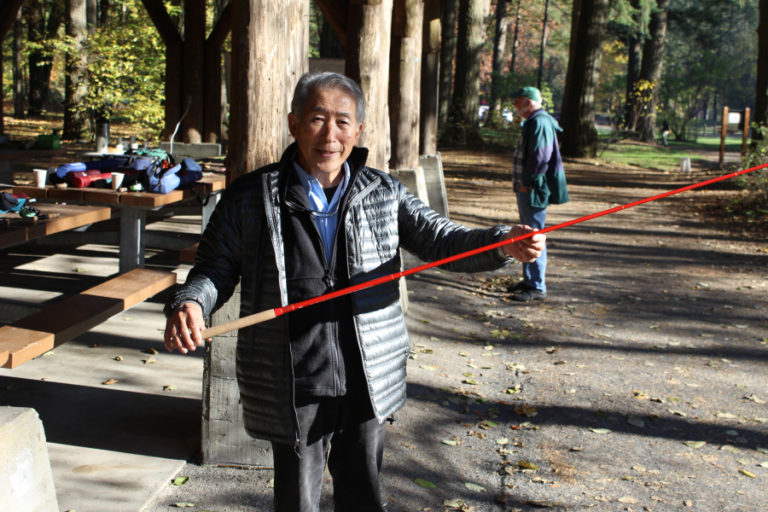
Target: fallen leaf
{"points": [[526, 464], [169, 387], [600, 431], [628, 500], [450, 442], [180, 480], [502, 441], [474, 487], [110, 382], [455, 503], [694, 444], [425, 483], [183, 505], [525, 410], [471, 382], [747, 473], [726, 415], [149, 360]]}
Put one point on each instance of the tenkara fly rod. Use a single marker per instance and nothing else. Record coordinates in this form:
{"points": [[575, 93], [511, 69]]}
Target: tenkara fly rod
{"points": [[269, 314]]}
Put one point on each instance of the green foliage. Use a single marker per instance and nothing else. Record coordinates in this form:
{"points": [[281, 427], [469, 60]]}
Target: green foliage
{"points": [[710, 54], [126, 69], [756, 201]]}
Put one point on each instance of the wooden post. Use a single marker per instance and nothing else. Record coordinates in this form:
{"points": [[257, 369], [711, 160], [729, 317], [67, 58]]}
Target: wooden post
{"points": [[723, 133], [405, 83], [212, 67], [430, 77], [266, 64], [745, 134], [369, 25], [270, 44]]}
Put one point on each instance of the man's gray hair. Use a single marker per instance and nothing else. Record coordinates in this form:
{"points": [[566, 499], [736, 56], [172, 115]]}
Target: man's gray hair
{"points": [[314, 81]]}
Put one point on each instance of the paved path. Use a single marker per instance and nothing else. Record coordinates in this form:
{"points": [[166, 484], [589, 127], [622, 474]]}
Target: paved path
{"points": [[640, 384]]}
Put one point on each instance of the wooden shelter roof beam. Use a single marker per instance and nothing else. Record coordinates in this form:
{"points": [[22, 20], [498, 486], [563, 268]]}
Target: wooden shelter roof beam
{"points": [[163, 22], [221, 28], [335, 12]]}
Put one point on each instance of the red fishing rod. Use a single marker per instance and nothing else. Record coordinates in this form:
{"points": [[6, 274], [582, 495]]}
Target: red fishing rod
{"points": [[273, 313]]}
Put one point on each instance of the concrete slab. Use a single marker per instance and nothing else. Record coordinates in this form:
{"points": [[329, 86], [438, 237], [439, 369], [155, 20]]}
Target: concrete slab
{"points": [[119, 421], [25, 473], [92, 480]]}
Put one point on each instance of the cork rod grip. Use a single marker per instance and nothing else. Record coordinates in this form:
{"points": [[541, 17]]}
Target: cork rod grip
{"points": [[234, 325]]}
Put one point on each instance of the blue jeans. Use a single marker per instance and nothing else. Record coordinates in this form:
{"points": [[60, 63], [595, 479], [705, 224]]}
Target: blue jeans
{"points": [[533, 273]]}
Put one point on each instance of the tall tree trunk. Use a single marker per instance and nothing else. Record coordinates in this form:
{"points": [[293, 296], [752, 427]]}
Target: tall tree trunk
{"points": [[405, 82], [499, 43], [18, 68], [8, 14], [104, 6], [430, 77], [634, 56], [41, 27], [92, 15], [369, 26], [76, 84], [578, 112], [269, 54], [462, 127], [761, 85], [515, 38], [447, 51], [650, 68], [543, 46], [191, 96]]}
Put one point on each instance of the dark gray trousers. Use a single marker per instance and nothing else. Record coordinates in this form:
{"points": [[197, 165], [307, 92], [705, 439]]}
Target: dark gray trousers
{"points": [[351, 440]]}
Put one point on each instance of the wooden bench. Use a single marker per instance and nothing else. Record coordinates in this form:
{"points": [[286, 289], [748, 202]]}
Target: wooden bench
{"points": [[40, 332]]}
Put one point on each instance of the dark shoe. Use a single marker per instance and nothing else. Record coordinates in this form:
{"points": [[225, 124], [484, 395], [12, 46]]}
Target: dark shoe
{"points": [[517, 287], [529, 295]]}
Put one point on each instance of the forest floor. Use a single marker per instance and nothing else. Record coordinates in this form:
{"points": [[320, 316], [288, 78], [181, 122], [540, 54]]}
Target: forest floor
{"points": [[639, 384]]}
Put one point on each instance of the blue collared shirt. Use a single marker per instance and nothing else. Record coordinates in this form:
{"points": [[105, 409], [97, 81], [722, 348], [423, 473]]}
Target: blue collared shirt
{"points": [[326, 224]]}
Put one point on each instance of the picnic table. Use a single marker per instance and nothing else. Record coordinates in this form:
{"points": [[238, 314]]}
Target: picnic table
{"points": [[133, 208], [60, 217]]}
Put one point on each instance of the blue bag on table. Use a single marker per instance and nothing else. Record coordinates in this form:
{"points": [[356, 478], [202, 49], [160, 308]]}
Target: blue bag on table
{"points": [[166, 180]]}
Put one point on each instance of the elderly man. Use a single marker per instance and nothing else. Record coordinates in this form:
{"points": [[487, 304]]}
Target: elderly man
{"points": [[319, 383], [539, 180]]}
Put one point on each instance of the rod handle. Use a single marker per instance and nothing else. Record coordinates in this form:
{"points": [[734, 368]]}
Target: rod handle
{"points": [[234, 325]]}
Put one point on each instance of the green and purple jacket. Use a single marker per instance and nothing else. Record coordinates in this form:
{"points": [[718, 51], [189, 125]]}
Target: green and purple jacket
{"points": [[537, 165]]}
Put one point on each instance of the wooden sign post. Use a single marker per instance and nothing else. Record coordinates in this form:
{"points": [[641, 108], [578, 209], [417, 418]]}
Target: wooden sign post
{"points": [[723, 133]]}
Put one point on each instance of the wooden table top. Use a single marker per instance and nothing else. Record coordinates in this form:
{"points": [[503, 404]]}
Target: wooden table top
{"points": [[15, 230], [208, 184]]}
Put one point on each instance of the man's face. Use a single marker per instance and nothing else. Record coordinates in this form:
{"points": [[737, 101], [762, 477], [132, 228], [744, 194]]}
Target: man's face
{"points": [[522, 105], [326, 133]]}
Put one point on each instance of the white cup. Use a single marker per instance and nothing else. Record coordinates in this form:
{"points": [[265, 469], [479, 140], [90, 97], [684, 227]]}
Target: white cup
{"points": [[117, 180], [41, 176]]}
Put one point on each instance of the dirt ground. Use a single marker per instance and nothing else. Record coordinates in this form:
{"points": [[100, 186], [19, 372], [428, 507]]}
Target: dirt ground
{"points": [[638, 385]]}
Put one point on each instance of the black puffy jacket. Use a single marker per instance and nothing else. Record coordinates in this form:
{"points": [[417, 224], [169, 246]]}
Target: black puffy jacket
{"points": [[243, 241]]}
